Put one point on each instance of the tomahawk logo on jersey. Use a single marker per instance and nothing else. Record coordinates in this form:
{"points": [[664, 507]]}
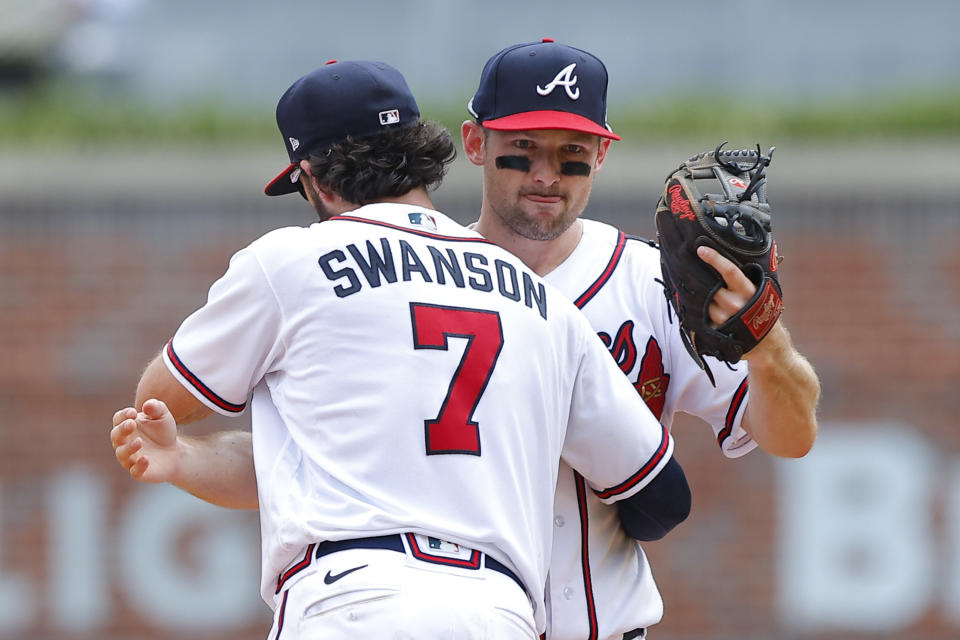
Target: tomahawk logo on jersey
{"points": [[651, 381], [599, 576]]}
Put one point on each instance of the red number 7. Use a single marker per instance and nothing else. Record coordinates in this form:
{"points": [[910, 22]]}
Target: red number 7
{"points": [[453, 430]]}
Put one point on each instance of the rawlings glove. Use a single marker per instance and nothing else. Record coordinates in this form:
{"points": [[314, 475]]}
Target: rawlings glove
{"points": [[736, 223]]}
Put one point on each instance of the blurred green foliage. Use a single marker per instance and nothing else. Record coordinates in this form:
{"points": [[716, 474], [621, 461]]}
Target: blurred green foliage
{"points": [[928, 115], [55, 114], [63, 115]]}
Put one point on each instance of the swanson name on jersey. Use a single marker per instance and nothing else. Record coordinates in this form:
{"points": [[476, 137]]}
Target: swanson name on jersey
{"points": [[397, 260]]}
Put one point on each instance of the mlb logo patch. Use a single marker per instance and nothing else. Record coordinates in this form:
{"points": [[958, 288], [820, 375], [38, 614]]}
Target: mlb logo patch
{"points": [[390, 117], [436, 544], [422, 220], [433, 549], [430, 549]]}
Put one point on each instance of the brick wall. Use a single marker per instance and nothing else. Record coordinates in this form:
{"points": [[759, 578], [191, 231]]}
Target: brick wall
{"points": [[91, 288]]}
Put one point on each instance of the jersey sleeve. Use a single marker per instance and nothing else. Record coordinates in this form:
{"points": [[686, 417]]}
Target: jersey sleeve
{"points": [[224, 348], [725, 413], [612, 439], [688, 388], [722, 407]]}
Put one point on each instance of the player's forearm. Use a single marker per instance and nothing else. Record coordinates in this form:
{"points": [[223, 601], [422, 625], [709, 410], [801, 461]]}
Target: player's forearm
{"points": [[157, 382], [784, 391], [218, 468]]}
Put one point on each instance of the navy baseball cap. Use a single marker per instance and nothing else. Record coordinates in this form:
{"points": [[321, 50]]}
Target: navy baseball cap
{"points": [[543, 85], [356, 98]]}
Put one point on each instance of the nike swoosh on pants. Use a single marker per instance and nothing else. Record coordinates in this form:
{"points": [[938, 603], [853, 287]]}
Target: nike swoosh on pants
{"points": [[331, 578]]}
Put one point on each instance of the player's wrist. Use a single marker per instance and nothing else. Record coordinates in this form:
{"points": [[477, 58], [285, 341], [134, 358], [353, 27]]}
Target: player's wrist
{"points": [[180, 453], [773, 351]]}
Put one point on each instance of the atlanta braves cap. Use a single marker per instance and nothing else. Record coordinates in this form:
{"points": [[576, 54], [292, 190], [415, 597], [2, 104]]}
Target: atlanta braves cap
{"points": [[543, 85], [355, 98]]}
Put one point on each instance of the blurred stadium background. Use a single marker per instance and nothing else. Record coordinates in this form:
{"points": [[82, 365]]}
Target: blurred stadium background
{"points": [[136, 137]]}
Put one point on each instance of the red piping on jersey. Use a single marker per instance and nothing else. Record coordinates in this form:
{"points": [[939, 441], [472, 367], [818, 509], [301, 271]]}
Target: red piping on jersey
{"points": [[472, 563], [202, 388], [738, 397], [283, 611], [580, 302], [631, 482], [425, 234], [295, 569], [607, 272], [585, 555]]}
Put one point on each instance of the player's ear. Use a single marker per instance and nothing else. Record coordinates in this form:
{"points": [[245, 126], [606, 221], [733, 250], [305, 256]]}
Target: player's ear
{"points": [[473, 141], [325, 193], [602, 153], [318, 187]]}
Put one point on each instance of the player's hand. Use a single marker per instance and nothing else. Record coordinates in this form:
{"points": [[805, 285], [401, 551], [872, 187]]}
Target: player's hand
{"points": [[146, 443], [730, 299], [738, 292]]}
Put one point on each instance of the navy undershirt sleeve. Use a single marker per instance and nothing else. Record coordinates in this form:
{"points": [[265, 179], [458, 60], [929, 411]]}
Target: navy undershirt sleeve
{"points": [[659, 507]]}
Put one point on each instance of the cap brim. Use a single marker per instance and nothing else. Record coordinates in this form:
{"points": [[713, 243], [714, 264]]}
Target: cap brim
{"points": [[284, 182], [534, 120]]}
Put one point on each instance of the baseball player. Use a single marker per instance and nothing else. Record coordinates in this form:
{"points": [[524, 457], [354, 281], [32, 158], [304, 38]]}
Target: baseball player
{"points": [[540, 133], [412, 388]]}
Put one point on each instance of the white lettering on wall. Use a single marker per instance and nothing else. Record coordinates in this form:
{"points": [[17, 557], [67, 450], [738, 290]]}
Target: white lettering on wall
{"points": [[220, 585], [855, 530], [178, 562], [17, 598], [78, 549]]}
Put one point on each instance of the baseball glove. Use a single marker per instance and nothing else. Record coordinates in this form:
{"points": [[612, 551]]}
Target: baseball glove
{"points": [[736, 222]]}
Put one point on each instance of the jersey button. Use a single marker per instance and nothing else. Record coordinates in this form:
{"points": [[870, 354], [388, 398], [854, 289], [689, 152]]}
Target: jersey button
{"points": [[567, 593], [559, 521]]}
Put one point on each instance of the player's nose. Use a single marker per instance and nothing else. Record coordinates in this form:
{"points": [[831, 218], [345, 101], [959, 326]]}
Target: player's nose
{"points": [[545, 170]]}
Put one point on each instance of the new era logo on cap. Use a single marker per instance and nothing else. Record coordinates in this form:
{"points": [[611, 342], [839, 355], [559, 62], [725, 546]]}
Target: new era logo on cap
{"points": [[543, 85]]}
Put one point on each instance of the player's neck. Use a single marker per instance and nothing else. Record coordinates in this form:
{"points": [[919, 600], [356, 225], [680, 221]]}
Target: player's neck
{"points": [[335, 205], [416, 197], [543, 256]]}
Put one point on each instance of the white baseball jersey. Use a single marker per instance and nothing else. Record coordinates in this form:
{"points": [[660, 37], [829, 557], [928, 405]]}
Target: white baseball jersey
{"points": [[411, 377], [600, 583]]}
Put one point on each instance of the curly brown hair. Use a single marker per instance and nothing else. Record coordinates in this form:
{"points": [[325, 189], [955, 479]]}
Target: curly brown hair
{"points": [[386, 165]]}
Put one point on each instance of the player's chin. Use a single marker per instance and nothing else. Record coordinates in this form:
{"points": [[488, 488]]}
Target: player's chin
{"points": [[545, 213], [545, 229]]}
